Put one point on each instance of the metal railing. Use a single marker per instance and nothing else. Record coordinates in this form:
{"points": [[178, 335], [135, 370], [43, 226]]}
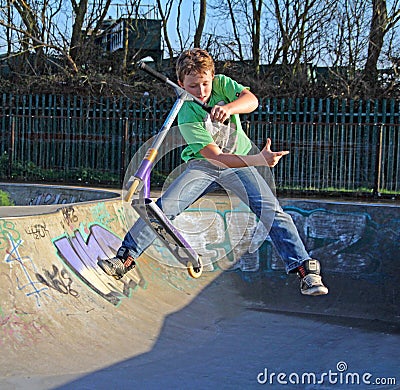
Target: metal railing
{"points": [[335, 145]]}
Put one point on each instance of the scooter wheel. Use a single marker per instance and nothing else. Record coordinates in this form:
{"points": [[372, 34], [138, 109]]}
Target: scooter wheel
{"points": [[195, 272]]}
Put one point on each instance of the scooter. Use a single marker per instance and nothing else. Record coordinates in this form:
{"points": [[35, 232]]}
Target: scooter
{"points": [[138, 192]]}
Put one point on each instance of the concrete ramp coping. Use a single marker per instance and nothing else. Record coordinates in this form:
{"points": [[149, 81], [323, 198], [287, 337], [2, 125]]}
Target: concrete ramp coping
{"points": [[39, 199]]}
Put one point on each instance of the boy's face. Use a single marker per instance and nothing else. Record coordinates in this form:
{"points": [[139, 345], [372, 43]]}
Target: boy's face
{"points": [[198, 84]]}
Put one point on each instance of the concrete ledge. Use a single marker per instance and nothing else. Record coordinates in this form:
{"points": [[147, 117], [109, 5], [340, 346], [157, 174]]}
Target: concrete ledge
{"points": [[35, 199]]}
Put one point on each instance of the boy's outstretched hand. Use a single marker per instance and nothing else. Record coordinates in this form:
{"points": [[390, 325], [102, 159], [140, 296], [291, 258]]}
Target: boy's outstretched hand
{"points": [[272, 158], [266, 157]]}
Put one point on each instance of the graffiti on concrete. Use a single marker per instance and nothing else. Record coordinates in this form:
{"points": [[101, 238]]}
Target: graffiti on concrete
{"points": [[347, 242], [24, 270], [58, 280], [82, 255], [222, 238], [38, 230], [18, 329], [69, 215], [101, 215], [48, 198], [344, 241], [7, 233]]}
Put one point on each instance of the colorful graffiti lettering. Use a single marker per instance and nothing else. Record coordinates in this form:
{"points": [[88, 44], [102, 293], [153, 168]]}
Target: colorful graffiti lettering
{"points": [[7, 232], [330, 236], [82, 255], [101, 215]]}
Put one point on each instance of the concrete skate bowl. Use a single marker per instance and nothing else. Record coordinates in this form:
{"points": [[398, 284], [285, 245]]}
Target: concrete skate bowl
{"points": [[48, 195], [65, 324]]}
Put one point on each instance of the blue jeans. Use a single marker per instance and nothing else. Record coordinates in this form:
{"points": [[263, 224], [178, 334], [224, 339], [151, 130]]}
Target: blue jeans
{"points": [[202, 177]]}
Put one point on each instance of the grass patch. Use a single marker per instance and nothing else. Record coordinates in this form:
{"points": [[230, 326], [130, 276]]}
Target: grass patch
{"points": [[5, 199]]}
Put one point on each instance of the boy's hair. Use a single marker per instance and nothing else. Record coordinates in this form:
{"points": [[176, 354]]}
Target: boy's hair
{"points": [[194, 61]]}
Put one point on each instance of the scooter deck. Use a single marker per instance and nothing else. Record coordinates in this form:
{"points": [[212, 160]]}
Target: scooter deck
{"points": [[167, 232]]}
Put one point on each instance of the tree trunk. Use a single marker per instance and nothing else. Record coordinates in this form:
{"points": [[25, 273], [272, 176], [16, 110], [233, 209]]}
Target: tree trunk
{"points": [[164, 19], [32, 37], [235, 31], [200, 25], [377, 33], [256, 34], [76, 37]]}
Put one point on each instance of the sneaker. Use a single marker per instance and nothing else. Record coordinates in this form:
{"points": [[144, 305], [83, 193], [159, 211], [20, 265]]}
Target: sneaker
{"points": [[119, 265], [310, 278]]}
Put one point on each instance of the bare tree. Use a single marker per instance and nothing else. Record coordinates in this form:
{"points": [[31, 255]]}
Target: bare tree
{"points": [[6, 18], [183, 40], [200, 24], [227, 37], [165, 15], [256, 6], [80, 10], [243, 40], [236, 33], [93, 17], [296, 21], [346, 33], [381, 22], [32, 30], [31, 33], [353, 38]]}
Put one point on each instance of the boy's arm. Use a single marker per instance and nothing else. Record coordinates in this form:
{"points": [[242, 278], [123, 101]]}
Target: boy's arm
{"points": [[266, 157], [244, 104]]}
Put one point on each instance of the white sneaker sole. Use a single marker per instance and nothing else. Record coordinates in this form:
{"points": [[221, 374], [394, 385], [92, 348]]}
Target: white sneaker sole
{"points": [[314, 291]]}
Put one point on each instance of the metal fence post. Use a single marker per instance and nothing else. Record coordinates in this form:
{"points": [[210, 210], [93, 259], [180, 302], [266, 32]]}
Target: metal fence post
{"points": [[378, 166], [123, 150], [11, 150]]}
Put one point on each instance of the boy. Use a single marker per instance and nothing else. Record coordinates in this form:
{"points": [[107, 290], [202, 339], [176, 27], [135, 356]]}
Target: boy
{"points": [[217, 156]]}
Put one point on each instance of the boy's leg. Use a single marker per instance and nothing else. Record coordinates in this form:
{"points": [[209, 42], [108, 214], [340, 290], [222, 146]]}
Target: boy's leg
{"points": [[249, 185], [186, 189]]}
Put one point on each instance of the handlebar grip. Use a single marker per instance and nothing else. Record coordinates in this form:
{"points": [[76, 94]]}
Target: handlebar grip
{"points": [[151, 71]]}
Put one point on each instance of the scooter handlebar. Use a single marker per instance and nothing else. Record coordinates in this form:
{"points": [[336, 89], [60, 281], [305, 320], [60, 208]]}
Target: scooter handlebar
{"points": [[165, 79], [152, 72]]}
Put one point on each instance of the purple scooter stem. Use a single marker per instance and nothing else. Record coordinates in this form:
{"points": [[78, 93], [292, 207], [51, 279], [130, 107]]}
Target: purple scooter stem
{"points": [[142, 175]]}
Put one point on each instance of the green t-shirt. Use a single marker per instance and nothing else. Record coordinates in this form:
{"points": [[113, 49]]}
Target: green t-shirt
{"points": [[198, 131]]}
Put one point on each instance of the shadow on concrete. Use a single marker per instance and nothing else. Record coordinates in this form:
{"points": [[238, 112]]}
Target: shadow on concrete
{"points": [[229, 338]]}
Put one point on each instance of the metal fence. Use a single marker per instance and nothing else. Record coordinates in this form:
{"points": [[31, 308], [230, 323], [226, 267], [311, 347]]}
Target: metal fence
{"points": [[343, 145], [335, 145]]}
